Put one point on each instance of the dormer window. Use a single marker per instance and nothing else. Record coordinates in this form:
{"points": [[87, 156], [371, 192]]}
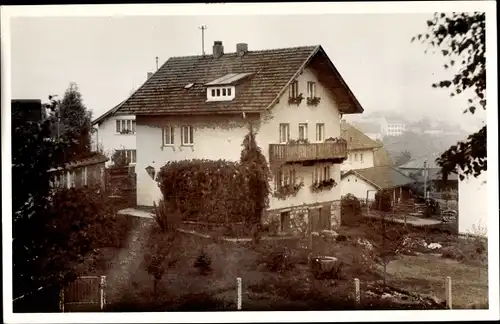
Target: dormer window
{"points": [[224, 88]]}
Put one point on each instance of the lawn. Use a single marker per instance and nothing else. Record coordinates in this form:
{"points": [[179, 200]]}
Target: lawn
{"points": [[183, 288]]}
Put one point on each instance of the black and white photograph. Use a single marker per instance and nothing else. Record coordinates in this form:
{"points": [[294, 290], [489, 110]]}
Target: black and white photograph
{"points": [[225, 162]]}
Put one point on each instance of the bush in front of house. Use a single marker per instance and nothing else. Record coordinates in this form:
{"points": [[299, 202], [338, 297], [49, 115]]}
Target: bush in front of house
{"points": [[383, 200], [206, 190]]}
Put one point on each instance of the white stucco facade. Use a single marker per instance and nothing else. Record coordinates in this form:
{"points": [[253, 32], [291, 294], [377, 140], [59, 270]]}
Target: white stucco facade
{"points": [[352, 184], [472, 203], [218, 137], [358, 159], [109, 140]]}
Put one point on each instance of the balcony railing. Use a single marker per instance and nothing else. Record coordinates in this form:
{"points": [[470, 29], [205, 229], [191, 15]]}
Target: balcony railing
{"points": [[289, 153]]}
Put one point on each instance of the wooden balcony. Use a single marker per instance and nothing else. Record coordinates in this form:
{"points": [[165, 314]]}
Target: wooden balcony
{"points": [[311, 152]]}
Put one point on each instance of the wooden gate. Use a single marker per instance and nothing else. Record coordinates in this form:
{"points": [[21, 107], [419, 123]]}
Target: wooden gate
{"points": [[121, 185], [321, 218], [85, 294]]}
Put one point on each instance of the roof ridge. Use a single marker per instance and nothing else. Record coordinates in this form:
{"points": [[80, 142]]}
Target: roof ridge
{"points": [[249, 52]]}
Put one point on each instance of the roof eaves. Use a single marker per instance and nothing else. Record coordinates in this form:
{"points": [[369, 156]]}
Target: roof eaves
{"points": [[108, 113], [353, 172]]}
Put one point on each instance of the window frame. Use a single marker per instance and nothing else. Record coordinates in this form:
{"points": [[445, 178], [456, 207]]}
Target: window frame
{"points": [[304, 127], [190, 135], [320, 132], [311, 89], [169, 129], [294, 89], [125, 124], [286, 127]]}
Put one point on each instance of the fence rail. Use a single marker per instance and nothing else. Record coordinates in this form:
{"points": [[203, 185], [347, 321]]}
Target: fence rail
{"points": [[307, 152]]}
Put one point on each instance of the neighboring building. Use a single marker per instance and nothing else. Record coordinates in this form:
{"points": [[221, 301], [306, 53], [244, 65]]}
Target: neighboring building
{"points": [[115, 133], [364, 183], [473, 204], [435, 183], [393, 127], [83, 172], [361, 149], [203, 106]]}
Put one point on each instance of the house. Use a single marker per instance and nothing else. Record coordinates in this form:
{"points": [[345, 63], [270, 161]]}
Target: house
{"points": [[361, 148], [372, 129], [416, 167], [88, 171], [364, 183], [203, 106], [473, 205]]}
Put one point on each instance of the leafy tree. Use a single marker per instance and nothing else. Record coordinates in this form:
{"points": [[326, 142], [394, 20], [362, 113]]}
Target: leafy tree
{"points": [[119, 159], [461, 39], [252, 157], [73, 122], [51, 232]]}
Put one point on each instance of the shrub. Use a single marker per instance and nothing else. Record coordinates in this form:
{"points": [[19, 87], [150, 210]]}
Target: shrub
{"points": [[383, 200], [203, 263], [278, 261], [350, 201], [213, 191], [168, 220]]}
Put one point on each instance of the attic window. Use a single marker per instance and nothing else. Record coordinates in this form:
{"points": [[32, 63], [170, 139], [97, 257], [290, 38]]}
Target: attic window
{"points": [[189, 85], [225, 93]]}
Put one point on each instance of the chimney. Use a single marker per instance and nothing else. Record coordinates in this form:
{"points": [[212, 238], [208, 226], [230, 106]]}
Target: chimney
{"points": [[150, 74], [241, 49], [218, 49]]}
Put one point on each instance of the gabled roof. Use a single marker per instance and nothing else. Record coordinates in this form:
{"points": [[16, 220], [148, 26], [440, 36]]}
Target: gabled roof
{"points": [[418, 163], [356, 140], [108, 113], [271, 72], [381, 177]]}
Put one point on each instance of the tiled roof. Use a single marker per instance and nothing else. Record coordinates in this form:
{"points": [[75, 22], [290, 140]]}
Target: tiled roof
{"points": [[106, 114], [272, 71], [356, 140], [92, 159], [433, 169], [381, 157], [382, 177]]}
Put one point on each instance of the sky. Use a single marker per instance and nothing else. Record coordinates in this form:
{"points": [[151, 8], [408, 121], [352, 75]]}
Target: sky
{"points": [[109, 57]]}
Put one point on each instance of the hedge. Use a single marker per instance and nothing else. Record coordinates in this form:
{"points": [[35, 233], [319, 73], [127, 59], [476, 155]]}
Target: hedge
{"points": [[206, 190]]}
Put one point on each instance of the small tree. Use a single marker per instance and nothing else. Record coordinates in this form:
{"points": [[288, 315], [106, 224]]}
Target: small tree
{"points": [[387, 239], [161, 252], [119, 159], [259, 176]]}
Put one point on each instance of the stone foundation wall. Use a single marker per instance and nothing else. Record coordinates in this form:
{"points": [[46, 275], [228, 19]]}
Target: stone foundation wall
{"points": [[299, 222]]}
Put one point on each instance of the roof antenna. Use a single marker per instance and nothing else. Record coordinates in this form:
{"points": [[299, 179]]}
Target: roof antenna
{"points": [[203, 28], [157, 63]]}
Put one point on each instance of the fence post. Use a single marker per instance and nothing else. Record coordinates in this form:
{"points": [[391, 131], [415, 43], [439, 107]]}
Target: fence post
{"points": [[238, 299], [103, 297], [449, 301], [357, 295], [61, 300], [310, 225]]}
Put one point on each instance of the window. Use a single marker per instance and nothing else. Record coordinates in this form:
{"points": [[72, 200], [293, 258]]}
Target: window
{"points": [[284, 133], [356, 157], [130, 155], [84, 176], [125, 126], [213, 92], [229, 91], [218, 92], [72, 179], [320, 132], [294, 89], [361, 157], [168, 135], [311, 89], [303, 131], [283, 178], [187, 136], [321, 174], [285, 221]]}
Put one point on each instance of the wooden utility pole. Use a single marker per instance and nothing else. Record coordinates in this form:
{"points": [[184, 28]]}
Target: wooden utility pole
{"points": [[425, 179], [203, 28]]}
